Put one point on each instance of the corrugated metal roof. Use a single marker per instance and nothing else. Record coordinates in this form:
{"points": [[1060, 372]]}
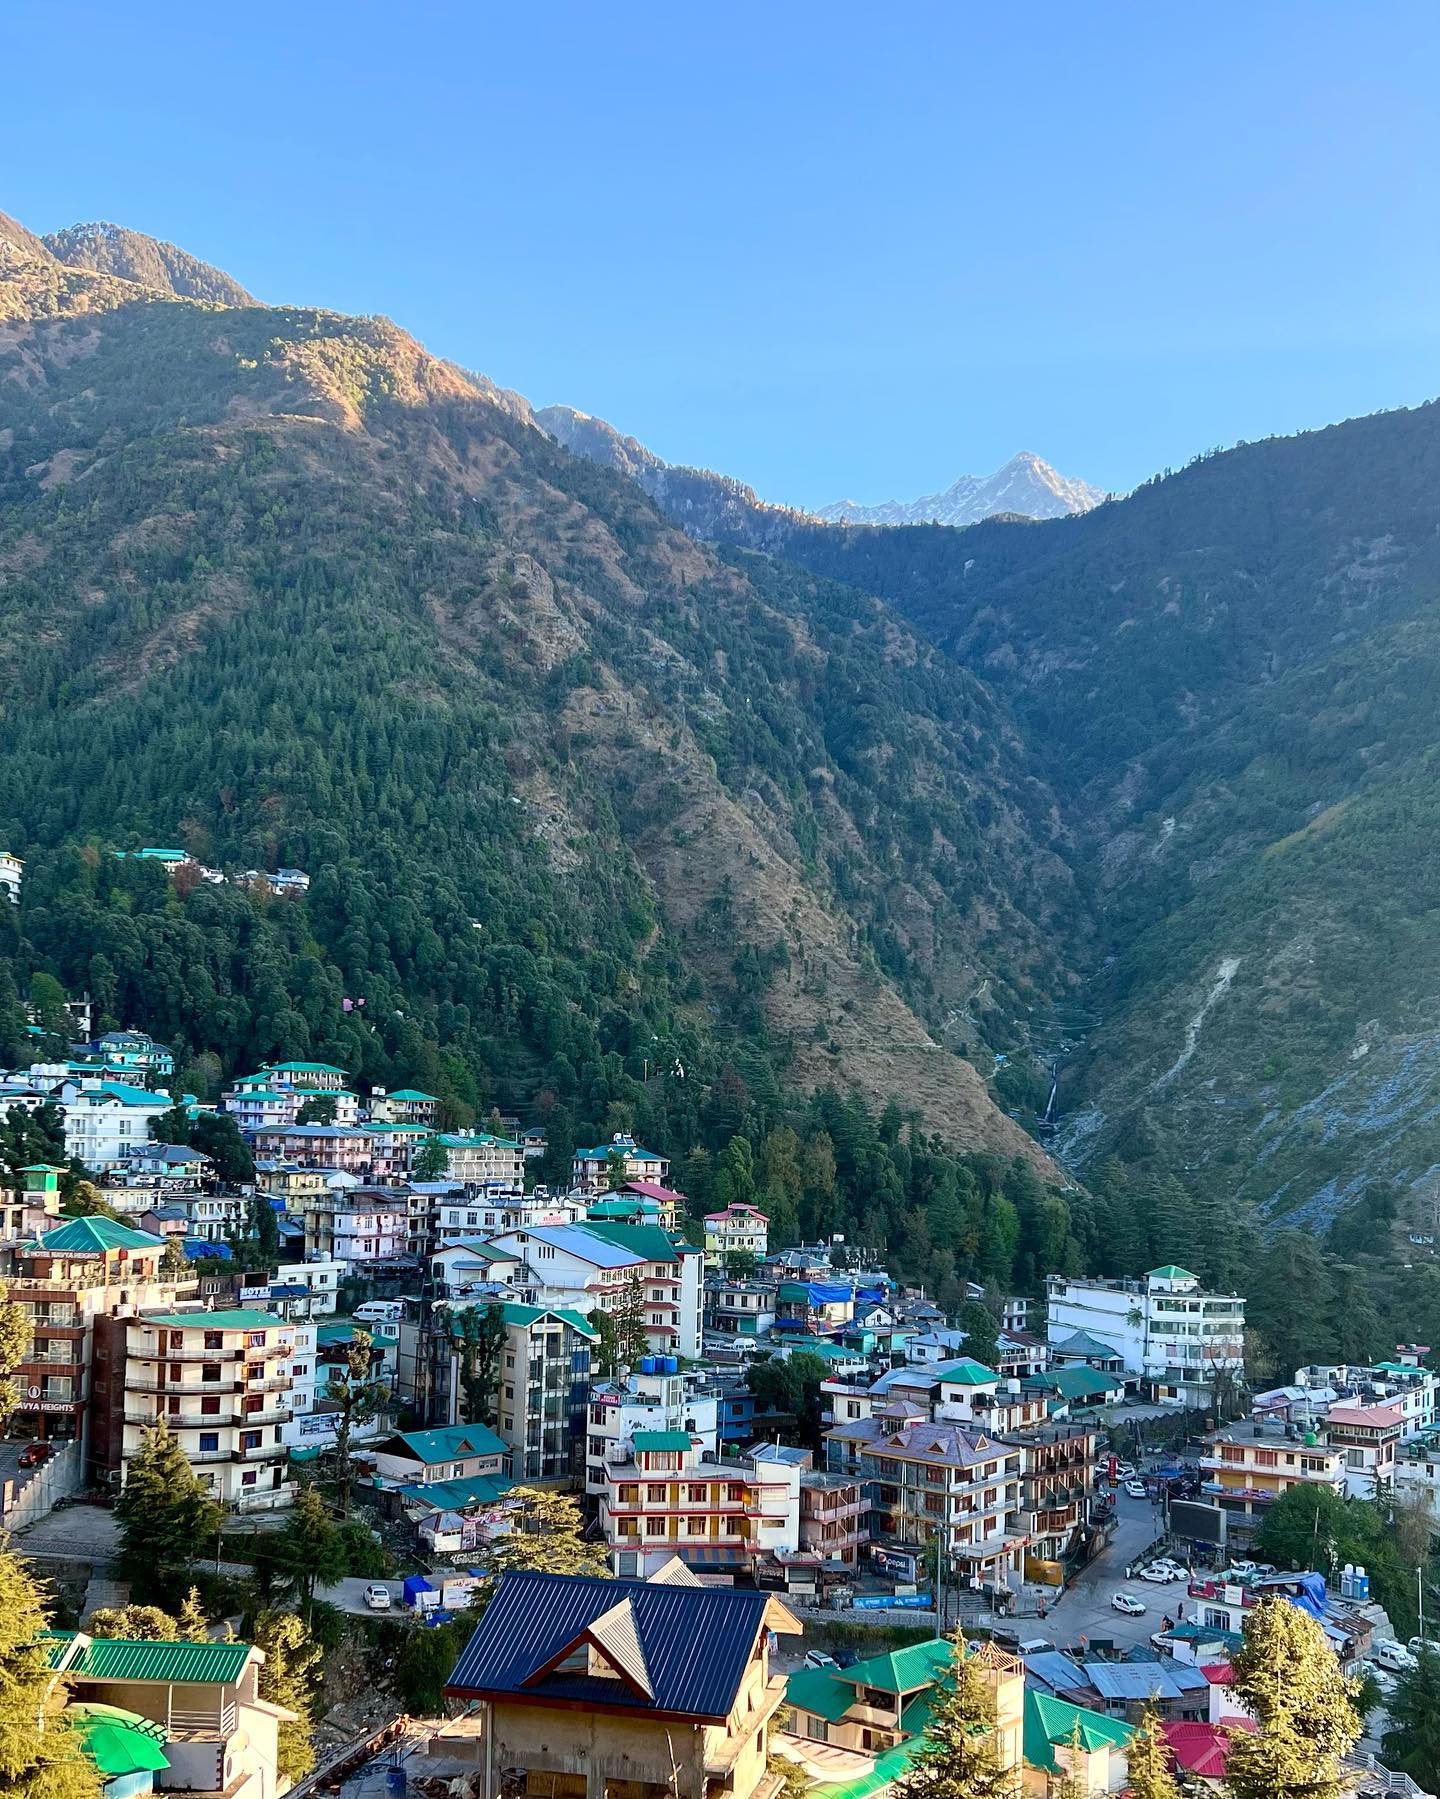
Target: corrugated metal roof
{"points": [[1131, 1680], [117, 1658], [646, 1440], [696, 1641], [454, 1443]]}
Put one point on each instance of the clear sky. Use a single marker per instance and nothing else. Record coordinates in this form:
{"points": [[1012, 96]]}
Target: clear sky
{"points": [[834, 249]]}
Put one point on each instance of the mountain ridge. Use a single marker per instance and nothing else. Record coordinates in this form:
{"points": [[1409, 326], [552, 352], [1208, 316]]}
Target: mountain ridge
{"points": [[1025, 487]]}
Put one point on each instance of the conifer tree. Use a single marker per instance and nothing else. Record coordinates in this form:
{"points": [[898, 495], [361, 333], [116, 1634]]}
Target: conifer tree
{"points": [[547, 1531], [191, 1624], [15, 1336], [165, 1515], [138, 1623], [40, 1757], [1287, 1677], [1152, 1775], [291, 1655], [356, 1399], [959, 1758]]}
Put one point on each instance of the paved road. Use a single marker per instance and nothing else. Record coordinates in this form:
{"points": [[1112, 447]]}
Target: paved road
{"points": [[1085, 1610], [349, 1596]]}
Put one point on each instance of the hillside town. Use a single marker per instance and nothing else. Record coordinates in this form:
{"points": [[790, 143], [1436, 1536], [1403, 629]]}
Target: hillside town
{"points": [[757, 1443]]}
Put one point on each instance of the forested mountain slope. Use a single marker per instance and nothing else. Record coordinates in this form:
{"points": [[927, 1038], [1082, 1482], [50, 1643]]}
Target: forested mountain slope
{"points": [[107, 249], [589, 809], [1230, 680]]}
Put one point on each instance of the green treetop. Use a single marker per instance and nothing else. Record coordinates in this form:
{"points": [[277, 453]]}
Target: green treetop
{"points": [[959, 1758], [40, 1758], [1288, 1679], [166, 1517], [1152, 1775]]}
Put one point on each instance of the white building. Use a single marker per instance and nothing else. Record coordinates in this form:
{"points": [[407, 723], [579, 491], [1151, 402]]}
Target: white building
{"points": [[718, 1516], [364, 1225], [590, 1170], [738, 1230], [12, 870], [105, 1121], [462, 1216], [227, 1383], [477, 1159], [648, 1399], [588, 1267], [1171, 1339]]}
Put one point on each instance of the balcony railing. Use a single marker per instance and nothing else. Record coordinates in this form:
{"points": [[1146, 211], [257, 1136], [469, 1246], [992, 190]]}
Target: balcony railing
{"points": [[135, 1383], [260, 1452], [151, 1352]]}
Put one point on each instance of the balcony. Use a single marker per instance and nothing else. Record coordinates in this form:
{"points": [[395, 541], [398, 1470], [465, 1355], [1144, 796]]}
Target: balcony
{"points": [[229, 1420], [151, 1352], [198, 1390], [260, 1452]]}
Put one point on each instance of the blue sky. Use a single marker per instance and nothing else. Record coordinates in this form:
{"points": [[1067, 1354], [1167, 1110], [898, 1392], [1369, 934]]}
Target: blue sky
{"points": [[832, 249]]}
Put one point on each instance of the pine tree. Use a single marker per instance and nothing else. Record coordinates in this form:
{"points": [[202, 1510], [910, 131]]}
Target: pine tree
{"points": [[310, 1549], [286, 1679], [547, 1531], [356, 1399], [1412, 1743], [958, 1758], [166, 1517], [1152, 1774], [191, 1624], [1287, 1677], [40, 1758], [15, 1336]]}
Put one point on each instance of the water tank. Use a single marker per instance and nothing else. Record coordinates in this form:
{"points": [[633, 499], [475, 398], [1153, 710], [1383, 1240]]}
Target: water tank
{"points": [[1362, 1584], [647, 1364], [1311, 1439], [672, 1364]]}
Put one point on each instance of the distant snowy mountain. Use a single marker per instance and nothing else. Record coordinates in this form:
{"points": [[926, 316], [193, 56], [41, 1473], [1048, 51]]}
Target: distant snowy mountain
{"points": [[1026, 486]]}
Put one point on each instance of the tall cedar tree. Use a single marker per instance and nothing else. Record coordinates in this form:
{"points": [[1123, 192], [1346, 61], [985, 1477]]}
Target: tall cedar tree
{"points": [[166, 1517], [547, 1531], [1287, 1677], [287, 1679], [356, 1399], [1412, 1743], [1152, 1774], [310, 1551], [959, 1758], [15, 1338], [40, 1757], [191, 1624]]}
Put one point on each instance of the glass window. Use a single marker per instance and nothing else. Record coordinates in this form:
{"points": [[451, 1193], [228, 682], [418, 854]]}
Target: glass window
{"points": [[209, 1440]]}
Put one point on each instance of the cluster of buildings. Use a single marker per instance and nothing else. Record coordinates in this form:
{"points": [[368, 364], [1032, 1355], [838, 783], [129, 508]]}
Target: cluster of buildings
{"points": [[284, 883]]}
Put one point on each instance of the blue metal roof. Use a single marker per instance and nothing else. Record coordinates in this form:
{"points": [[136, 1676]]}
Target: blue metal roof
{"points": [[575, 1241], [696, 1643]]}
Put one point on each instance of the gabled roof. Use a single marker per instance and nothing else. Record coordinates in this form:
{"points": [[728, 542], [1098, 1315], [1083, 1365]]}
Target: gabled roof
{"points": [[1051, 1723], [819, 1691], [459, 1495], [586, 1245], [968, 1373], [412, 1093], [631, 1151], [648, 1241], [301, 1068], [903, 1670], [1082, 1343], [515, 1313], [1170, 1273], [118, 1658], [92, 1236], [696, 1643], [454, 1444]]}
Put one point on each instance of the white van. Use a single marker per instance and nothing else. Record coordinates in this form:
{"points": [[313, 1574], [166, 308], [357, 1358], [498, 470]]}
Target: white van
{"points": [[1393, 1655], [377, 1311]]}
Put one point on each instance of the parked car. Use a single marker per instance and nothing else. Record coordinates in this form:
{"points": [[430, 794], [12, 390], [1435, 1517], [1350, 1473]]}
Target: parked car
{"points": [[1135, 1488], [1173, 1569], [377, 1597], [817, 1658], [1157, 1575], [35, 1455], [1418, 1644], [1394, 1655], [1124, 1471], [1125, 1602], [1241, 1571]]}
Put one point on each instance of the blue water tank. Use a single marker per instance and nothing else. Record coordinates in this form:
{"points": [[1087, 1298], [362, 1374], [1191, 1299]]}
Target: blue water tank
{"points": [[672, 1364], [395, 1778], [647, 1364]]}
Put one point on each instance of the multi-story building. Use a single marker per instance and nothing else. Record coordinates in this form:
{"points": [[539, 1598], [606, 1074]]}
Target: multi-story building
{"points": [[966, 1392], [476, 1159], [739, 1308], [655, 1717], [360, 1227], [106, 1120], [1369, 1437], [463, 1213], [925, 1479], [136, 1052], [12, 872], [315, 1079], [406, 1105], [1179, 1345], [591, 1170], [1248, 1465], [607, 1267], [668, 1499], [224, 1382], [647, 1399], [833, 1508], [255, 1106], [343, 1147], [1057, 1478], [738, 1230], [392, 1149]]}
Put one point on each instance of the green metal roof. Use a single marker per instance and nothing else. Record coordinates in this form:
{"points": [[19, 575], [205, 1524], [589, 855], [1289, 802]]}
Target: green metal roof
{"points": [[459, 1495], [647, 1240], [902, 1671], [647, 1440], [1171, 1273], [302, 1068], [888, 1768], [93, 1236], [117, 1658], [968, 1373], [57, 1645], [820, 1692], [515, 1313], [411, 1093], [242, 1318], [1051, 1722], [1074, 1383], [452, 1444]]}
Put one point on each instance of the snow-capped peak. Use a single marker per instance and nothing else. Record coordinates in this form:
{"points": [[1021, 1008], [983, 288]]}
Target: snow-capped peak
{"points": [[1026, 485]]}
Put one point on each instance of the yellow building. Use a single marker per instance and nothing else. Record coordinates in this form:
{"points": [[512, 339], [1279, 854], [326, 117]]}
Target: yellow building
{"points": [[1248, 1465]]}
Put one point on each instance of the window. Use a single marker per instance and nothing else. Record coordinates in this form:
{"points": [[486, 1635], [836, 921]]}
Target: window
{"points": [[695, 1494], [654, 1527], [211, 1372], [250, 1478], [214, 1340], [695, 1527], [209, 1441], [209, 1406], [250, 1439]]}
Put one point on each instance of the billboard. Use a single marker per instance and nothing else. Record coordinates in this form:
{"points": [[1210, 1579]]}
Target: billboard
{"points": [[1197, 1523]]}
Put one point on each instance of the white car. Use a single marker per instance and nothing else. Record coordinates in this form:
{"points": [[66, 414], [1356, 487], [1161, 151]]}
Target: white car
{"points": [[1171, 1570], [1241, 1571], [1136, 1489], [817, 1658], [1394, 1656], [1125, 1471], [377, 1597], [1125, 1602], [1156, 1575]]}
